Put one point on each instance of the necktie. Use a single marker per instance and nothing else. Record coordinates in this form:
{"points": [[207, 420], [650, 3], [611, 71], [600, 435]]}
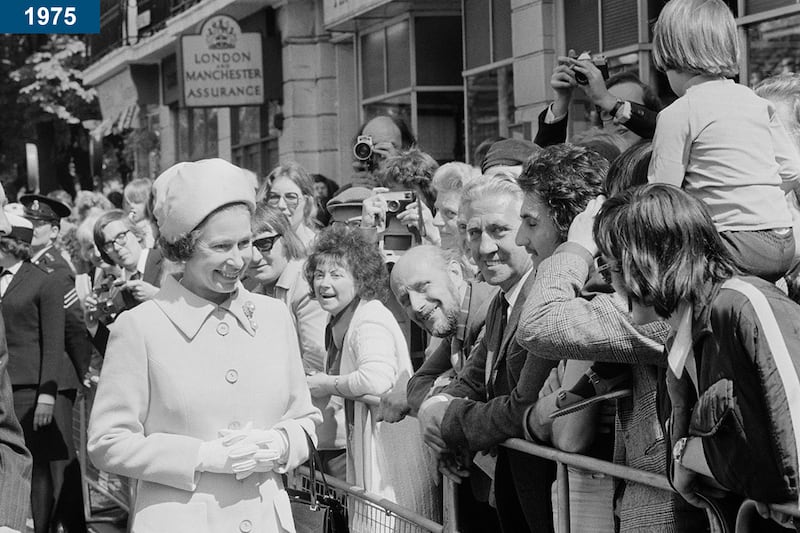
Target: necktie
{"points": [[330, 346], [136, 275]]}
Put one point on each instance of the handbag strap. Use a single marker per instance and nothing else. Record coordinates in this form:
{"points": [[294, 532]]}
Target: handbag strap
{"points": [[314, 466], [780, 354]]}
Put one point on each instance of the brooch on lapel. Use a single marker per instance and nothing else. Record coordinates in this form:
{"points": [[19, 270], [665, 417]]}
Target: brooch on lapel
{"points": [[249, 308]]}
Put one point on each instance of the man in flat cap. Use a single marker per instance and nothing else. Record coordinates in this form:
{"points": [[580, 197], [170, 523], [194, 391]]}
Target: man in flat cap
{"points": [[45, 214]]}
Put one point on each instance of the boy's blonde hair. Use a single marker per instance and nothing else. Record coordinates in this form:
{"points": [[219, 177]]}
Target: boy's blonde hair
{"points": [[696, 37]]}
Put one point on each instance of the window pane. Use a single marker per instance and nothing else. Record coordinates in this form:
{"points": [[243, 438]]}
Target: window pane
{"points": [[620, 23], [757, 6], [211, 133], [372, 67], [773, 48], [197, 148], [398, 55], [501, 29], [399, 106], [249, 124], [490, 106], [582, 27], [440, 119], [438, 50], [476, 30]]}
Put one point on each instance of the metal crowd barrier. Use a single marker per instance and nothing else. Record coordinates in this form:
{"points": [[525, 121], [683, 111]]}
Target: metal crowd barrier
{"points": [[373, 514]]}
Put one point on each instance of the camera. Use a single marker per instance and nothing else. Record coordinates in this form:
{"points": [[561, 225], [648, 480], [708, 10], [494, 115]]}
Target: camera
{"points": [[397, 201], [109, 299], [363, 148], [598, 61]]}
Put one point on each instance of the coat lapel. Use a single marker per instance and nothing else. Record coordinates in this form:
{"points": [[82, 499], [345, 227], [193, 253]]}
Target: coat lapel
{"points": [[18, 278], [513, 320]]}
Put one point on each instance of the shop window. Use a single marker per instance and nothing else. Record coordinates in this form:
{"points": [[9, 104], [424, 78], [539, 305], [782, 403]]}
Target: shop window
{"points": [[487, 32], [398, 57], [620, 23], [440, 116], [197, 133], [398, 106], [773, 48], [254, 144], [438, 44], [385, 60], [490, 105], [582, 27], [617, 21]]}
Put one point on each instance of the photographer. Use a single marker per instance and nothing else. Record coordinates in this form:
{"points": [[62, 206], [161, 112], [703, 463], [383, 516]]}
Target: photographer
{"points": [[378, 139], [404, 201], [627, 106]]}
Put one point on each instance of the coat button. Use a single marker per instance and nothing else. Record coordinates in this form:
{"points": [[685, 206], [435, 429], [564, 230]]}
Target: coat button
{"points": [[245, 526], [223, 328], [234, 425], [231, 376]]}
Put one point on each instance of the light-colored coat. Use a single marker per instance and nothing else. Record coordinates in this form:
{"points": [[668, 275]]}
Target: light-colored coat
{"points": [[179, 369], [386, 459]]}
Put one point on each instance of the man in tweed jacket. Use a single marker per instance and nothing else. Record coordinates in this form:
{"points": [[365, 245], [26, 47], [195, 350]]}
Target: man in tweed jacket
{"points": [[572, 314]]}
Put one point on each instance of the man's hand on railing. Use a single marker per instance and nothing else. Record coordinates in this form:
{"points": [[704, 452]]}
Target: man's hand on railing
{"points": [[455, 466], [394, 406], [688, 483], [430, 416]]}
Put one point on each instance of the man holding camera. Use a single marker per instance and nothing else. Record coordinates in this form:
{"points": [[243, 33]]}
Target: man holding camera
{"points": [[379, 138], [626, 105], [45, 214]]}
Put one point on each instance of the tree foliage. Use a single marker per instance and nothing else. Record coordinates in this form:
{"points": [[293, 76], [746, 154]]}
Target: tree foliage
{"points": [[51, 80]]}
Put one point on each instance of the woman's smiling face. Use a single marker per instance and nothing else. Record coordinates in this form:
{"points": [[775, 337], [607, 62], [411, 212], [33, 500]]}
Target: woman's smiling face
{"points": [[334, 286]]}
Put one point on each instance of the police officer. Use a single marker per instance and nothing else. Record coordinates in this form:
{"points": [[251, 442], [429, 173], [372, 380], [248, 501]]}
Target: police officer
{"points": [[45, 214]]}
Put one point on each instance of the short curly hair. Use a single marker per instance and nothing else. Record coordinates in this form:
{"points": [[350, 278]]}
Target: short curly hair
{"points": [[350, 249], [18, 249], [412, 169], [565, 178]]}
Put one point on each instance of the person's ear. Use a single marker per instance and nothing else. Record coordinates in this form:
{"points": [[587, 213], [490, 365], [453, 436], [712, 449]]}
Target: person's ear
{"points": [[454, 272]]}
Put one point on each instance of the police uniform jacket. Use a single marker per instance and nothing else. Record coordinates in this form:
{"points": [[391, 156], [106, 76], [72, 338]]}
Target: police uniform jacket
{"points": [[178, 370], [76, 341], [33, 311]]}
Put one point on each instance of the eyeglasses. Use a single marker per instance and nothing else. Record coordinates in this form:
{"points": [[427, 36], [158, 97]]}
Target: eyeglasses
{"points": [[291, 199], [265, 244], [350, 224], [604, 268], [120, 240]]}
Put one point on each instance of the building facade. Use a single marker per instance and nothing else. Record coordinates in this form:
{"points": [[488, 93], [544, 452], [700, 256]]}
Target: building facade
{"points": [[458, 71]]}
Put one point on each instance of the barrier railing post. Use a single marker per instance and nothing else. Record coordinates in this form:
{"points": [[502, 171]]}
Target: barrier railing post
{"points": [[562, 484], [449, 505]]}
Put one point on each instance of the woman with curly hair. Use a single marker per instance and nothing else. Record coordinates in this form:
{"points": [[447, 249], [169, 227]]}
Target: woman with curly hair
{"points": [[366, 355]]}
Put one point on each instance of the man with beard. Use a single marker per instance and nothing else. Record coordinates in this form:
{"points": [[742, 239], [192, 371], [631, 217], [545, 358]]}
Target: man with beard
{"points": [[429, 284]]}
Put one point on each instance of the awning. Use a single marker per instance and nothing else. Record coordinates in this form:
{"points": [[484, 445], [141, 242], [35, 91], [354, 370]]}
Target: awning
{"points": [[126, 119]]}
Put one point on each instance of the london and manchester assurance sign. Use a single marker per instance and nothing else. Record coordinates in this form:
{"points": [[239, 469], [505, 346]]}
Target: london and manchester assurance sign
{"points": [[222, 66]]}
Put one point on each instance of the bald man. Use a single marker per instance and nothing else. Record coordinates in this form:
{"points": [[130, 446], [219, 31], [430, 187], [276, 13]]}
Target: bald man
{"points": [[389, 137]]}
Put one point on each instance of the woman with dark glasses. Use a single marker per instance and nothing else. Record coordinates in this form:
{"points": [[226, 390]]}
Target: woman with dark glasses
{"points": [[277, 271]]}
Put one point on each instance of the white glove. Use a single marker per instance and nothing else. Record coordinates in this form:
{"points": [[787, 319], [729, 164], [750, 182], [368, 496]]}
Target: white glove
{"points": [[272, 447], [220, 458]]}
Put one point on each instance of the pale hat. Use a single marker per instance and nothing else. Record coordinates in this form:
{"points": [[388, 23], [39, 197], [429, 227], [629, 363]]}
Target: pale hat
{"points": [[21, 228], [187, 193]]}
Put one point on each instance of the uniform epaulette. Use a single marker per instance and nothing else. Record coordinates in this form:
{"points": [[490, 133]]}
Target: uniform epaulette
{"points": [[47, 269]]}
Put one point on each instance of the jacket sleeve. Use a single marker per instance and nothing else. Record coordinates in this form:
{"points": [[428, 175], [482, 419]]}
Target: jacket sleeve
{"points": [[117, 442], [550, 134], [420, 383], [480, 425], [301, 417], [15, 481], [558, 323], [642, 121], [471, 381], [76, 338], [100, 339], [51, 322], [310, 320], [376, 365]]}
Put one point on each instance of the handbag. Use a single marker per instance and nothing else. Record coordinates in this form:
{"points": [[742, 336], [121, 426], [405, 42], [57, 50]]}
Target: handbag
{"points": [[316, 512]]}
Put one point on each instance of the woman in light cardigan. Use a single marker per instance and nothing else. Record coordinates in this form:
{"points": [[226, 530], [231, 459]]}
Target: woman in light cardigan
{"points": [[367, 355]]}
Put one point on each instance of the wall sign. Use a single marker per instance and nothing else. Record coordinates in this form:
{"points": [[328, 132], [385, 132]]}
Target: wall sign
{"points": [[222, 66]]}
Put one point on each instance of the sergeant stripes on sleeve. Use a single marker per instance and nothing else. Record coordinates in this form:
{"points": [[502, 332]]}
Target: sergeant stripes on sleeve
{"points": [[70, 298]]}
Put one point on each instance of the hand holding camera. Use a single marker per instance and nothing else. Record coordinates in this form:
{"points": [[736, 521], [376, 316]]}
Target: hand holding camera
{"points": [[369, 154]]}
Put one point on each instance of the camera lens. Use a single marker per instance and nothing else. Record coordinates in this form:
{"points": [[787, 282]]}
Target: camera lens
{"points": [[362, 151], [392, 206]]}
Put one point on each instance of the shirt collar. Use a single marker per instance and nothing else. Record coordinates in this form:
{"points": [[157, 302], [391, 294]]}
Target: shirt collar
{"points": [[513, 293], [40, 253], [142, 261], [14, 268], [189, 311], [341, 322]]}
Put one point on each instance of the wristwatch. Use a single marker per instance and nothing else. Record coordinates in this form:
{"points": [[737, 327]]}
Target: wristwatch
{"points": [[679, 449], [615, 109]]}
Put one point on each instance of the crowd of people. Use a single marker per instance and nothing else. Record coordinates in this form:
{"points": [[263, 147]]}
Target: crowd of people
{"points": [[629, 294]]}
